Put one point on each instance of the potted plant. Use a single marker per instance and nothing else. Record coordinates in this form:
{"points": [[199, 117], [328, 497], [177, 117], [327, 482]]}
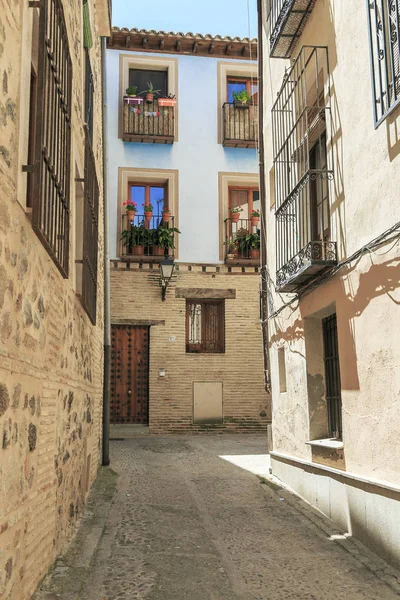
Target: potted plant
{"points": [[169, 100], [150, 92], [131, 97], [166, 214], [164, 239], [241, 99], [235, 213], [254, 245], [131, 208], [230, 248], [134, 239], [254, 218], [148, 212]]}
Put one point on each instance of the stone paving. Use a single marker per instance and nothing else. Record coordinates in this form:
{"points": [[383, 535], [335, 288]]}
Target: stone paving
{"points": [[185, 524]]}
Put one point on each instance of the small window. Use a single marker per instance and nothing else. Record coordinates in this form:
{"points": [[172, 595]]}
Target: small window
{"points": [[282, 370], [239, 84], [141, 78], [332, 376], [205, 326]]}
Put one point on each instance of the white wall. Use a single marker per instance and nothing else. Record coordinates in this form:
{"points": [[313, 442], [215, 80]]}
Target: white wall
{"points": [[196, 155]]}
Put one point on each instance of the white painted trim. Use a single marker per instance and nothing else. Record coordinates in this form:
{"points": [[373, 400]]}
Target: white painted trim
{"points": [[327, 443], [344, 474]]}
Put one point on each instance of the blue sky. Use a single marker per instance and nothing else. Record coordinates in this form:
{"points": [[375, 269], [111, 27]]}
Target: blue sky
{"points": [[224, 17]]}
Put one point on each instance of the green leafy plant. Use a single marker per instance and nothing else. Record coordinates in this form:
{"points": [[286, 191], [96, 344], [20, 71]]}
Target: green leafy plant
{"points": [[148, 207], [137, 235], [245, 241], [164, 236], [255, 213], [243, 97], [236, 209], [150, 89], [131, 90]]}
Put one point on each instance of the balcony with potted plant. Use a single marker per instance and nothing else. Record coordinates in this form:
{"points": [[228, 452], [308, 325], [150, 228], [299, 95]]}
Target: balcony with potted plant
{"points": [[242, 241], [147, 237], [147, 119], [240, 121]]}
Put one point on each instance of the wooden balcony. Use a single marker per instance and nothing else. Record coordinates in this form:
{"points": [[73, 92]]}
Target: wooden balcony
{"points": [[148, 123], [287, 19], [240, 126]]}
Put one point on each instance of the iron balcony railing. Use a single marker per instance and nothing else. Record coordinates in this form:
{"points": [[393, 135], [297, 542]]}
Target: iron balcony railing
{"points": [[301, 122], [240, 125], [287, 19], [148, 122], [242, 241], [151, 238], [90, 232]]}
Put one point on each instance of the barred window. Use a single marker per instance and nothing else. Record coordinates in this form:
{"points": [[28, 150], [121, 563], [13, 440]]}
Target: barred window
{"points": [[89, 93], [384, 37], [90, 233], [205, 326], [51, 173]]}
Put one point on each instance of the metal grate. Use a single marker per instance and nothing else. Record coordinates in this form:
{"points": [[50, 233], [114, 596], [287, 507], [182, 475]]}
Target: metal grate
{"points": [[300, 118], [89, 95], [332, 376], [287, 19], [90, 233], [205, 326], [384, 39], [50, 214]]}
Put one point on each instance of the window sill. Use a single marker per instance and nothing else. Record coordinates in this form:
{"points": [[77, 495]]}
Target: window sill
{"points": [[332, 443]]}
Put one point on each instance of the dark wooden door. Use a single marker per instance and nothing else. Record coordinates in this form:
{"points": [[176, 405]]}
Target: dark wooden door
{"points": [[129, 374]]}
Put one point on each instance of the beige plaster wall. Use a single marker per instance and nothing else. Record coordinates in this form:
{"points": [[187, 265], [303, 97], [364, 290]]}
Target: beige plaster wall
{"points": [[136, 295], [51, 360], [364, 203]]}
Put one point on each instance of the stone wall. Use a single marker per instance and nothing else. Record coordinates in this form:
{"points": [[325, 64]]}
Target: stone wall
{"points": [[136, 296], [51, 359]]}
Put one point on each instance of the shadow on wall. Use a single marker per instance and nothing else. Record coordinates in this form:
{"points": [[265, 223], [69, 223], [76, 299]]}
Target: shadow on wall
{"points": [[393, 134]]}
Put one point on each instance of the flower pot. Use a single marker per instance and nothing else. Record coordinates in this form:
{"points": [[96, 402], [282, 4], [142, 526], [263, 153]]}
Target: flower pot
{"points": [[130, 214], [235, 217], [149, 98], [166, 102], [138, 250], [230, 256], [254, 221], [134, 100], [147, 216], [158, 251], [166, 216], [254, 253], [240, 105]]}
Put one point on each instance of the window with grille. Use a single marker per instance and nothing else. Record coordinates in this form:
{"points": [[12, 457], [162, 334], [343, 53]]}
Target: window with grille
{"points": [[332, 376], [51, 172], [89, 94], [384, 37], [205, 326]]}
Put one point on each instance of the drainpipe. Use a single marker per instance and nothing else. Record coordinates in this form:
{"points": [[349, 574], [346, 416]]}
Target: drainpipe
{"points": [[264, 279], [107, 320]]}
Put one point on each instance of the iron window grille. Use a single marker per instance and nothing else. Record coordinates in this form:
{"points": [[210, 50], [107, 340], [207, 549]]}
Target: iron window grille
{"points": [[205, 326], [90, 233], [51, 171], [89, 95], [300, 118], [384, 42], [332, 376]]}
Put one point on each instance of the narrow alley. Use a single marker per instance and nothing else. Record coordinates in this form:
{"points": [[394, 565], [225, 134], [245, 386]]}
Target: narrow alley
{"points": [[184, 522]]}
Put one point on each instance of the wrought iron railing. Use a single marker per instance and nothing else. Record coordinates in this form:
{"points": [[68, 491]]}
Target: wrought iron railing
{"points": [[301, 120], [148, 122], [287, 19], [144, 236], [242, 239], [240, 125], [291, 276], [384, 39]]}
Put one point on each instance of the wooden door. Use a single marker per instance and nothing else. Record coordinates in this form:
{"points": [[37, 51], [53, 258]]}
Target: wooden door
{"points": [[129, 374]]}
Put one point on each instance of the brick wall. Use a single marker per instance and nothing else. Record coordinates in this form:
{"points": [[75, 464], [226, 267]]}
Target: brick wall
{"points": [[51, 359], [136, 295]]}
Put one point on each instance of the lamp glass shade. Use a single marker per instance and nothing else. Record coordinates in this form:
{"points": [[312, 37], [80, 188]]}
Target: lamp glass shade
{"points": [[167, 268]]}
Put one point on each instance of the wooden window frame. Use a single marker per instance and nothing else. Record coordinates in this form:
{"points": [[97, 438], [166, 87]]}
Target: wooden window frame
{"points": [[201, 347], [238, 188], [147, 186]]}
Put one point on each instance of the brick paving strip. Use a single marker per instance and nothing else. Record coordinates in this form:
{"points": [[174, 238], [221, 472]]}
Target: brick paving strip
{"points": [[176, 522]]}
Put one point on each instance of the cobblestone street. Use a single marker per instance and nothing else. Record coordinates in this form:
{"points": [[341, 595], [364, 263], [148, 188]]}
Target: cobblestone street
{"points": [[185, 524]]}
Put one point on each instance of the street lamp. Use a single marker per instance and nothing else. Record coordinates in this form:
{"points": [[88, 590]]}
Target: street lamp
{"points": [[167, 268]]}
